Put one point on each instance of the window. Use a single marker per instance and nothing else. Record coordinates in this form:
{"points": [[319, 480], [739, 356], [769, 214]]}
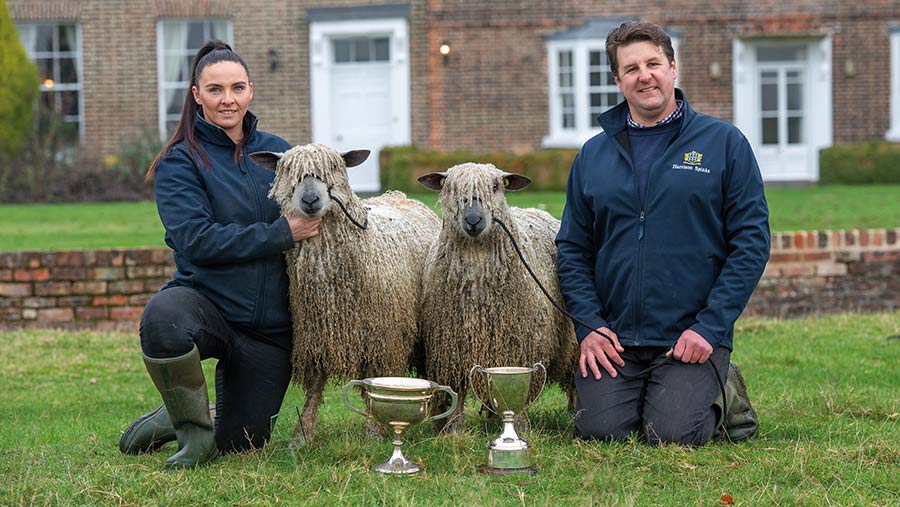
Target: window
{"points": [[177, 42], [55, 48], [361, 50], [581, 86], [782, 72], [894, 133]]}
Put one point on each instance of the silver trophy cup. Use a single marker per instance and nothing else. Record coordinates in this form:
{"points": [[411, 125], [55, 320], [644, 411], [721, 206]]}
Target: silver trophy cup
{"points": [[507, 390], [397, 403]]}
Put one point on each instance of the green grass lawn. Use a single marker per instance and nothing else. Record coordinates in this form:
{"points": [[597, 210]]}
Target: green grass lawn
{"points": [[134, 224], [826, 390]]}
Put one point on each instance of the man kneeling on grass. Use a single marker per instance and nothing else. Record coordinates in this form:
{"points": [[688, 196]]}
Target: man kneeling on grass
{"points": [[663, 239]]}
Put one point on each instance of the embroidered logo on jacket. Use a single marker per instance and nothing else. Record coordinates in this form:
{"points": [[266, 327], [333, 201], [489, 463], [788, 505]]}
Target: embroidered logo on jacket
{"points": [[693, 158]]}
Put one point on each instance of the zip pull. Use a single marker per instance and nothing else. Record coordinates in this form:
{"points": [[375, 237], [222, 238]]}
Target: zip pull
{"points": [[641, 230]]}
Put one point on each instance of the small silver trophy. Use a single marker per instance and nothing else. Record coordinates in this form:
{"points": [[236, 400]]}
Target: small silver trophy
{"points": [[397, 403], [507, 389]]}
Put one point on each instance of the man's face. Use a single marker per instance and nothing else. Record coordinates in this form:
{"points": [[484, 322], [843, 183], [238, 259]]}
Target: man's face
{"points": [[647, 80]]}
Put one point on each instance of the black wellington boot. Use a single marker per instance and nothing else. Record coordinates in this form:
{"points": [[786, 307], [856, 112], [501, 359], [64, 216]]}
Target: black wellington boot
{"points": [[181, 383]]}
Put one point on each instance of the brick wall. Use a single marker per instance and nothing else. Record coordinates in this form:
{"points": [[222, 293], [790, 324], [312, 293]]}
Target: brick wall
{"points": [[98, 289], [813, 272]]}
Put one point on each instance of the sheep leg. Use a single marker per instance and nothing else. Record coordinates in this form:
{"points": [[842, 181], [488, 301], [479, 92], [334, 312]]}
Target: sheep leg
{"points": [[306, 426]]}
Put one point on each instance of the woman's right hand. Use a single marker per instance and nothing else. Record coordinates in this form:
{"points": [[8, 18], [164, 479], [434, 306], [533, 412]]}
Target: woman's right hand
{"points": [[303, 227]]}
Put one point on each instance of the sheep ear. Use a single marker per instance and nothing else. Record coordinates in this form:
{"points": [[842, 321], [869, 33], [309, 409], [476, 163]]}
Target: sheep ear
{"points": [[513, 181], [355, 157], [434, 181], [266, 159]]}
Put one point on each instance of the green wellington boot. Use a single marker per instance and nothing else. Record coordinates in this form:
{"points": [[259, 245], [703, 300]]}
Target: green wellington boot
{"points": [[181, 383], [151, 431], [741, 421]]}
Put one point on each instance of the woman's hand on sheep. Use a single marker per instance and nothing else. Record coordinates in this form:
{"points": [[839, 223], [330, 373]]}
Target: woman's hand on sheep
{"points": [[599, 351], [303, 227]]}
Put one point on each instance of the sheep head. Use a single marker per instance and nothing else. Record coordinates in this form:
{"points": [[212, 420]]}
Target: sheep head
{"points": [[307, 176], [472, 195]]}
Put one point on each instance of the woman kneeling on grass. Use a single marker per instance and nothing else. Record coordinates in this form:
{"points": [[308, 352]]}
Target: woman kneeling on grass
{"points": [[229, 296]]}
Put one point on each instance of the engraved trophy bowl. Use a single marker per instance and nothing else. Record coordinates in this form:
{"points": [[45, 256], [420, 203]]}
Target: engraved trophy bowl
{"points": [[397, 403], [507, 391]]}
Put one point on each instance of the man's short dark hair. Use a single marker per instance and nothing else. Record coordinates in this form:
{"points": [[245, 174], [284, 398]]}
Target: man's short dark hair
{"points": [[636, 31]]}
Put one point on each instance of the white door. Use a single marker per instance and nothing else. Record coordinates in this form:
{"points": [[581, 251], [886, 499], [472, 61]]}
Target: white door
{"points": [[360, 90], [783, 105]]}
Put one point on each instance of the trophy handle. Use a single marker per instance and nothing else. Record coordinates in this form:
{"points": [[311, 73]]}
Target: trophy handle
{"points": [[475, 391], [347, 401], [450, 410], [543, 384]]}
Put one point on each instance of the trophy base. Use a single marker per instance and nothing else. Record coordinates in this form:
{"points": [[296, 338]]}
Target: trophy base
{"points": [[397, 467], [507, 471]]}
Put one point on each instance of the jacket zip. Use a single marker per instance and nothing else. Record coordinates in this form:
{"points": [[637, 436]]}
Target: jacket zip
{"points": [[261, 276]]}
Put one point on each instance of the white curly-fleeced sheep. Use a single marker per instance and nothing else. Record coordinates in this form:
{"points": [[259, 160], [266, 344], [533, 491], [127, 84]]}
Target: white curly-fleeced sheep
{"points": [[352, 290], [478, 303]]}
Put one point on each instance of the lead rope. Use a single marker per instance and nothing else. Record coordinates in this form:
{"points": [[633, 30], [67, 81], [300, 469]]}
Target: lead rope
{"points": [[363, 226], [656, 363]]}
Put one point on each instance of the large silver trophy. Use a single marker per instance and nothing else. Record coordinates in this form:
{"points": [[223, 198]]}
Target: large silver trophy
{"points": [[397, 403], [508, 392]]}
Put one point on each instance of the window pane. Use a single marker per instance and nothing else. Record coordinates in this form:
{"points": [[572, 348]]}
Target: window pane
{"points": [[769, 94], [44, 38], [595, 120], [795, 130], [219, 30], [67, 38], [568, 120], [595, 59], [565, 58], [596, 79], [69, 103], [795, 96], [613, 98], [45, 68], [565, 79], [568, 100], [341, 51], [361, 50], [171, 125], [174, 100], [597, 100], [769, 75], [382, 50], [196, 36], [770, 130], [67, 70], [787, 53]]}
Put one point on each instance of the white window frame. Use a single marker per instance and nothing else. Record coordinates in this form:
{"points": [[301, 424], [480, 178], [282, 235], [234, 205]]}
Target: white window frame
{"points": [[580, 48], [893, 133], [55, 54], [162, 84]]}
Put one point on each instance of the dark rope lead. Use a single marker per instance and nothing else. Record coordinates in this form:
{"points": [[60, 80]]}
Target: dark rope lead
{"points": [[656, 363], [363, 226]]}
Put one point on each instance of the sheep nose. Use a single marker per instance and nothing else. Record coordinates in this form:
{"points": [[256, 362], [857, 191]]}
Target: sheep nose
{"points": [[472, 221], [309, 200]]}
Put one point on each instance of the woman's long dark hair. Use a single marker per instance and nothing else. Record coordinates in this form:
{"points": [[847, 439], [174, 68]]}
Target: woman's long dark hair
{"points": [[214, 51]]}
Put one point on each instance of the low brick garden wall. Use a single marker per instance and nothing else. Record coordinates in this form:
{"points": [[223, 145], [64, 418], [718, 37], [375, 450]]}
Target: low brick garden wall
{"points": [[811, 272]]}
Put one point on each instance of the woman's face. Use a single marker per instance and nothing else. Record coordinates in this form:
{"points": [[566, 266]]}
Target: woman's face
{"points": [[224, 92]]}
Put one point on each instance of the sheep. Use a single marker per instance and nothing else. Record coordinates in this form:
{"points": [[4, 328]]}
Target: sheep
{"points": [[353, 287], [478, 303]]}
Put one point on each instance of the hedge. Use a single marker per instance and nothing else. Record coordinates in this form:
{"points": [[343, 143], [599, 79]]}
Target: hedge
{"points": [[859, 163], [400, 166]]}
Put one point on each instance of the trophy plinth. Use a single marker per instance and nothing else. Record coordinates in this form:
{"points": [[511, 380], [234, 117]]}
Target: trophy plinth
{"points": [[507, 391], [397, 403]]}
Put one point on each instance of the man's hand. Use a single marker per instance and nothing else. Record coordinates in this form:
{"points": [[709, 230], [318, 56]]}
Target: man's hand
{"points": [[599, 351], [303, 227], [691, 347]]}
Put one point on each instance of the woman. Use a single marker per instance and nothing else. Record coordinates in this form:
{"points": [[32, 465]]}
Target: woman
{"points": [[228, 298]]}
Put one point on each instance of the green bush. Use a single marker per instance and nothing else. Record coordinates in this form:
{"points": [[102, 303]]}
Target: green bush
{"points": [[860, 163], [400, 166], [19, 88]]}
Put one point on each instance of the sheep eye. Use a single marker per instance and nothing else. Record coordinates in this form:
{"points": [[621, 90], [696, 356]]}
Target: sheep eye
{"points": [[496, 186]]}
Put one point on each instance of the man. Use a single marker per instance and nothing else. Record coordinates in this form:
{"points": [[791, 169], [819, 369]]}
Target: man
{"points": [[664, 237]]}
